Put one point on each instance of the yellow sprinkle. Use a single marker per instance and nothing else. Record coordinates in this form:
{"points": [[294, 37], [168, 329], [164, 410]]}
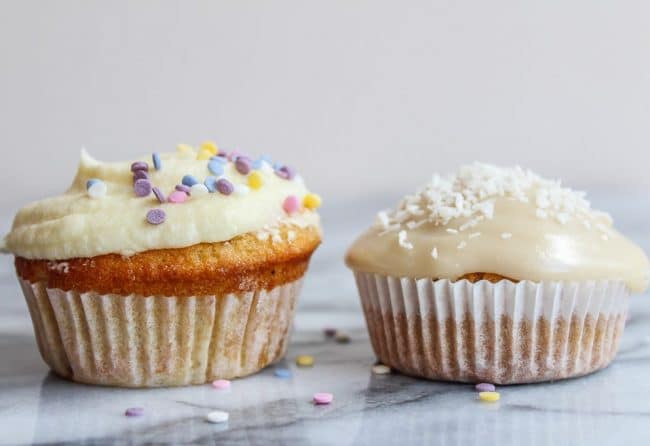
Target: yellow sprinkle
{"points": [[210, 146], [204, 154], [255, 180], [311, 201], [490, 397], [305, 361], [184, 148]]}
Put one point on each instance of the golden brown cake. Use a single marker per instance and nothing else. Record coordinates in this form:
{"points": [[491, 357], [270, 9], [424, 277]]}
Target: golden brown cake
{"points": [[495, 274], [177, 273]]}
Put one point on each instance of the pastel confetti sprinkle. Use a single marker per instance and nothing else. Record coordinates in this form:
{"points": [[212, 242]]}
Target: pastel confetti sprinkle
{"points": [[305, 361], [221, 159], [183, 188], [96, 188], [216, 167], [156, 216], [157, 162], [243, 165], [210, 146], [291, 204], [140, 175], [160, 196], [224, 186], [221, 384], [282, 373], [342, 338], [177, 197], [489, 397], [285, 172], [189, 180], [311, 201], [210, 184], [321, 398], [242, 189], [134, 412], [142, 187], [139, 165], [255, 180], [329, 332], [217, 416], [204, 155], [198, 190], [380, 369], [485, 387]]}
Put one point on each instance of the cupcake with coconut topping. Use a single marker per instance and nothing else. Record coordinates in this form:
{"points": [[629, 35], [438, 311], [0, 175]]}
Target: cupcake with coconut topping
{"points": [[495, 274], [173, 269]]}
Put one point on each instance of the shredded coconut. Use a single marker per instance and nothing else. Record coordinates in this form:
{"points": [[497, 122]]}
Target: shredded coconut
{"points": [[470, 193], [403, 242], [506, 235], [434, 252]]}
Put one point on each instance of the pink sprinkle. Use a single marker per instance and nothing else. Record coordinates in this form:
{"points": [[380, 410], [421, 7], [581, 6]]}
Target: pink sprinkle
{"points": [[134, 412], [177, 197], [221, 384], [291, 204], [323, 398]]}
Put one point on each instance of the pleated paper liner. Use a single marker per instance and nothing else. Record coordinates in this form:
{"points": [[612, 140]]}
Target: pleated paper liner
{"points": [[504, 333], [137, 341]]}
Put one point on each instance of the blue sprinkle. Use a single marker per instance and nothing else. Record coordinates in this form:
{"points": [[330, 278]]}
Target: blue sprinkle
{"points": [[215, 167], [211, 183], [91, 182], [257, 164], [282, 373], [267, 158], [219, 159], [157, 163], [189, 180]]}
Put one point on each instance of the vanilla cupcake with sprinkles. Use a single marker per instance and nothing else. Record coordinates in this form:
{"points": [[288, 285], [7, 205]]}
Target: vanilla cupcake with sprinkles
{"points": [[498, 275], [172, 269]]}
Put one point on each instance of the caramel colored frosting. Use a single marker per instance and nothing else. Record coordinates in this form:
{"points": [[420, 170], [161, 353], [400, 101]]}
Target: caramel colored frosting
{"points": [[75, 224], [505, 221]]}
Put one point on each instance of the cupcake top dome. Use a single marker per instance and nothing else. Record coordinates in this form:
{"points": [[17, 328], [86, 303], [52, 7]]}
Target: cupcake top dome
{"points": [[506, 221], [163, 200]]}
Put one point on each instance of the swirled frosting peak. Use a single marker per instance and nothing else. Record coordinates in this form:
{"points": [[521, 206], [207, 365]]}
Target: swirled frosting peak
{"points": [[166, 200]]}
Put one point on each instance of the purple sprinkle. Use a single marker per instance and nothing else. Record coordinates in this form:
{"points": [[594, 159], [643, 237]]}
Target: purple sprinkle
{"points": [[285, 172], [329, 332], [134, 412], [485, 387], [222, 154], [243, 165], [139, 165], [225, 187], [142, 187], [183, 188], [156, 216], [140, 175], [159, 194]]}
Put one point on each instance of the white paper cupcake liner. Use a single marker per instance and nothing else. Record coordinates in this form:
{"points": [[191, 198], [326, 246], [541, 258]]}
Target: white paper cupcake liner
{"points": [[504, 332], [138, 341]]}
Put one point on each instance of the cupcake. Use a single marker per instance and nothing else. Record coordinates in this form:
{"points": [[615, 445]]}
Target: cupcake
{"points": [[495, 274], [172, 269]]}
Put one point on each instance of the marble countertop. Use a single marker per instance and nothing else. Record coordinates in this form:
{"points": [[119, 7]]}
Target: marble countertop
{"points": [[608, 407]]}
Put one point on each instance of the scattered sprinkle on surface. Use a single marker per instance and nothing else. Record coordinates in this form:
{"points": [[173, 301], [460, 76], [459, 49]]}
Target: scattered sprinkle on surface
{"points": [[489, 397], [322, 398], [134, 412], [329, 332], [305, 361], [380, 369], [221, 384], [282, 373], [342, 338], [485, 387], [217, 416]]}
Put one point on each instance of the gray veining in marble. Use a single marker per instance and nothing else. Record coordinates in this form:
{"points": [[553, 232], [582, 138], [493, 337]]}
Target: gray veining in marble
{"points": [[609, 407]]}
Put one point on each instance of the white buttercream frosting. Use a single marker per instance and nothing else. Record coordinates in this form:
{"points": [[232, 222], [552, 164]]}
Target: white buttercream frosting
{"points": [[77, 225]]}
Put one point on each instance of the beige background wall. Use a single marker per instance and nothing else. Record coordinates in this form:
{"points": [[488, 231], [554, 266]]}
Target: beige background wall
{"points": [[361, 96]]}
